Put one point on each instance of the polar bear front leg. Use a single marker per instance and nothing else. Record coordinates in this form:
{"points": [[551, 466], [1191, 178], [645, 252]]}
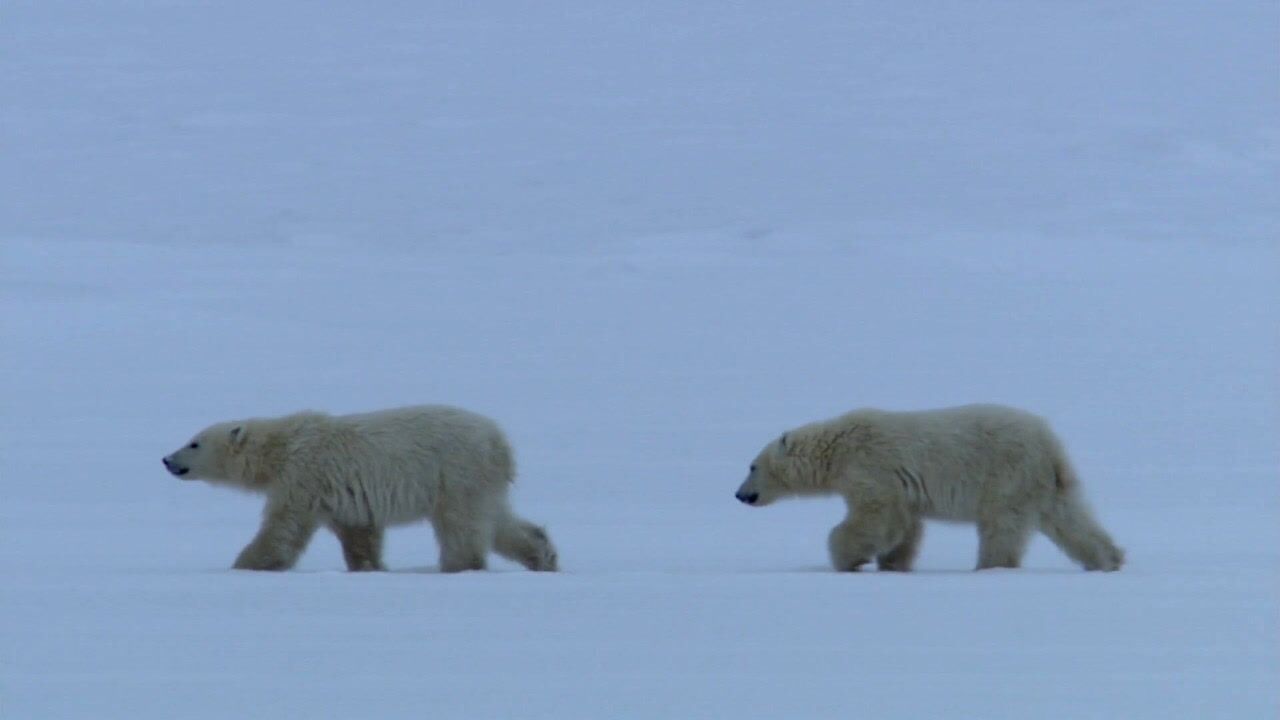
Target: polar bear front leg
{"points": [[870, 530], [283, 536]]}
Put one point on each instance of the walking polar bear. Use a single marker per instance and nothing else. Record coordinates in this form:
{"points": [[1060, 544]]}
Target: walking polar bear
{"points": [[999, 467], [359, 474]]}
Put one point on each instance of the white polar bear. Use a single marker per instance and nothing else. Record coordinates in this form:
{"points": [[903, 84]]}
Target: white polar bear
{"points": [[999, 467], [358, 474]]}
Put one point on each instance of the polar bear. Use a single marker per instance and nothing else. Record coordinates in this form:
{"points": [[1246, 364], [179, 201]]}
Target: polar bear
{"points": [[999, 467], [359, 474]]}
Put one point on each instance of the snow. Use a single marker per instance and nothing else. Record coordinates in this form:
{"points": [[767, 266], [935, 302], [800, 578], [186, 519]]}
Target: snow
{"points": [[646, 239]]}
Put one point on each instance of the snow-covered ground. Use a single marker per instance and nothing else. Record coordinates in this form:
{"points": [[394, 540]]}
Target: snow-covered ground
{"points": [[646, 239]]}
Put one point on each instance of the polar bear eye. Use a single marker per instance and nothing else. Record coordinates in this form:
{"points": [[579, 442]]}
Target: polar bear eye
{"points": [[753, 467], [194, 446]]}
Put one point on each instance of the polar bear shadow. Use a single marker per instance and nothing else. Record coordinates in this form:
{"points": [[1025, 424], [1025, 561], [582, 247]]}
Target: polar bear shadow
{"points": [[933, 572], [435, 570]]}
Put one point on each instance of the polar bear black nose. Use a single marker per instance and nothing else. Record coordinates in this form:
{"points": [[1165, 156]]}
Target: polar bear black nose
{"points": [[748, 498]]}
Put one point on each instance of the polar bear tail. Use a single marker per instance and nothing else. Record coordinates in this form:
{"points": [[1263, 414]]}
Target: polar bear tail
{"points": [[1070, 524]]}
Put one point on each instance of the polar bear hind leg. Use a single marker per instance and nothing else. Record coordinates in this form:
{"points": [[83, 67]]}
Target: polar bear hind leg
{"points": [[1003, 538], [1070, 525], [903, 556], [463, 539], [361, 546], [520, 540]]}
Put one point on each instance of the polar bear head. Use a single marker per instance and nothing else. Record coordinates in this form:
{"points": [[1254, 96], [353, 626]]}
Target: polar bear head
{"points": [[790, 465], [771, 474], [211, 455]]}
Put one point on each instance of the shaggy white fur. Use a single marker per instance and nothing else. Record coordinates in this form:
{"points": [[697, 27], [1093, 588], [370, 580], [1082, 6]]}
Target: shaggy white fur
{"points": [[358, 474], [999, 467]]}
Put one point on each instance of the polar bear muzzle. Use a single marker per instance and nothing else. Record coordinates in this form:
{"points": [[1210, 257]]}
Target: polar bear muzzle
{"points": [[174, 468], [747, 492]]}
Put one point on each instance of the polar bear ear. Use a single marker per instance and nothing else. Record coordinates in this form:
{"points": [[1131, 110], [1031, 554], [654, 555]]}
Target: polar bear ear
{"points": [[237, 436], [782, 444]]}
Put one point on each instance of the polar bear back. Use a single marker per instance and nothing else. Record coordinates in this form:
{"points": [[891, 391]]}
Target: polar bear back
{"points": [[397, 465], [438, 430], [946, 461]]}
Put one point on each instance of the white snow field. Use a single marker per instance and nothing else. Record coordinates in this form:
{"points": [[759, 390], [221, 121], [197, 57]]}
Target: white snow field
{"points": [[646, 237]]}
